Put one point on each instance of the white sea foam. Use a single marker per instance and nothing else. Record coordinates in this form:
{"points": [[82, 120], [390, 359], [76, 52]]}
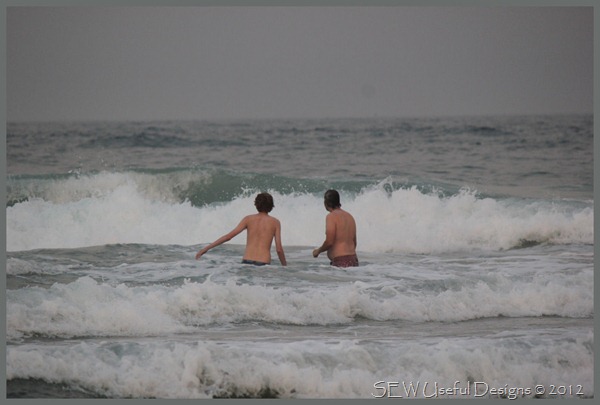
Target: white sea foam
{"points": [[309, 369], [403, 220], [89, 308]]}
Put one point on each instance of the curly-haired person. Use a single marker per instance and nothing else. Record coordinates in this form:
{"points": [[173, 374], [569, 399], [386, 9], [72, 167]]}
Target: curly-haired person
{"points": [[262, 229]]}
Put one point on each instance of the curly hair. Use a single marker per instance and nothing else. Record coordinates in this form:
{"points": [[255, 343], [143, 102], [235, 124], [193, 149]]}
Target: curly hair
{"points": [[264, 202]]}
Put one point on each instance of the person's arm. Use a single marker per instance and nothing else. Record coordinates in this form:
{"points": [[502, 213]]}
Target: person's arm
{"points": [[225, 238], [329, 237], [354, 222], [278, 245]]}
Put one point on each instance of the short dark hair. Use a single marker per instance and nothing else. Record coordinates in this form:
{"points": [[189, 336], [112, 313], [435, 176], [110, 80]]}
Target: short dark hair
{"points": [[332, 199], [264, 202]]}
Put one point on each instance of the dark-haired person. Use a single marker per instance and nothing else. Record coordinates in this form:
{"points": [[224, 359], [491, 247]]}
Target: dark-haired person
{"points": [[340, 233], [261, 229]]}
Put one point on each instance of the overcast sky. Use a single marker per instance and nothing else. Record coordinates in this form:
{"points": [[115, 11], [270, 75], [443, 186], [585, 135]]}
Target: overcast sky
{"points": [[286, 62]]}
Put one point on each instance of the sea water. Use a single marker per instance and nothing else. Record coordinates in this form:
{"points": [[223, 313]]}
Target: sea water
{"points": [[475, 241]]}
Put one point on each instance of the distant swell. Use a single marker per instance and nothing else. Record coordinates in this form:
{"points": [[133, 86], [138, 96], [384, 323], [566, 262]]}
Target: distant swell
{"points": [[176, 185]]}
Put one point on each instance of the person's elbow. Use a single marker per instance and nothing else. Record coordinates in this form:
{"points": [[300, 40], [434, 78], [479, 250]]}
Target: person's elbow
{"points": [[225, 239]]}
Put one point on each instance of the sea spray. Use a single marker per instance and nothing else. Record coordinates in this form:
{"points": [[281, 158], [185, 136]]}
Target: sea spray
{"points": [[389, 218]]}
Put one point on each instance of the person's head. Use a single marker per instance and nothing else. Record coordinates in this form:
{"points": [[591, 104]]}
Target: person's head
{"points": [[264, 202], [332, 199]]}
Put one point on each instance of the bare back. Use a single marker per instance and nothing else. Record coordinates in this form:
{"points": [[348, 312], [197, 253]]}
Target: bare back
{"points": [[341, 228], [261, 229]]}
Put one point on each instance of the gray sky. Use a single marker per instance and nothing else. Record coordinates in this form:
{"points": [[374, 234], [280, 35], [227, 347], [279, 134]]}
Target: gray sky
{"points": [[294, 62]]}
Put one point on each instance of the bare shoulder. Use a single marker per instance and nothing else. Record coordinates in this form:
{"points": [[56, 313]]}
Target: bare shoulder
{"points": [[346, 214], [334, 216], [349, 215], [261, 219], [248, 219], [340, 216]]}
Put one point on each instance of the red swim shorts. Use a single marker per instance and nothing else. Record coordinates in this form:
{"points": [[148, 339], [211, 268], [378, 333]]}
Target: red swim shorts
{"points": [[345, 261]]}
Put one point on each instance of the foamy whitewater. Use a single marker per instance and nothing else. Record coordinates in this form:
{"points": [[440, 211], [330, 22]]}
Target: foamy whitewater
{"points": [[475, 241]]}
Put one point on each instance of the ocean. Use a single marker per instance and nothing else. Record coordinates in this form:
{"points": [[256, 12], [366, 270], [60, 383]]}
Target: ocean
{"points": [[475, 241]]}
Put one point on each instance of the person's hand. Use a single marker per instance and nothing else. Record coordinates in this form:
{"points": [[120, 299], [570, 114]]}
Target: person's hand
{"points": [[199, 254], [316, 252]]}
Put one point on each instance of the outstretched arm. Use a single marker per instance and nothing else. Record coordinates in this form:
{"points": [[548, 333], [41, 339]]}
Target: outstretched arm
{"points": [[225, 238], [279, 246]]}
